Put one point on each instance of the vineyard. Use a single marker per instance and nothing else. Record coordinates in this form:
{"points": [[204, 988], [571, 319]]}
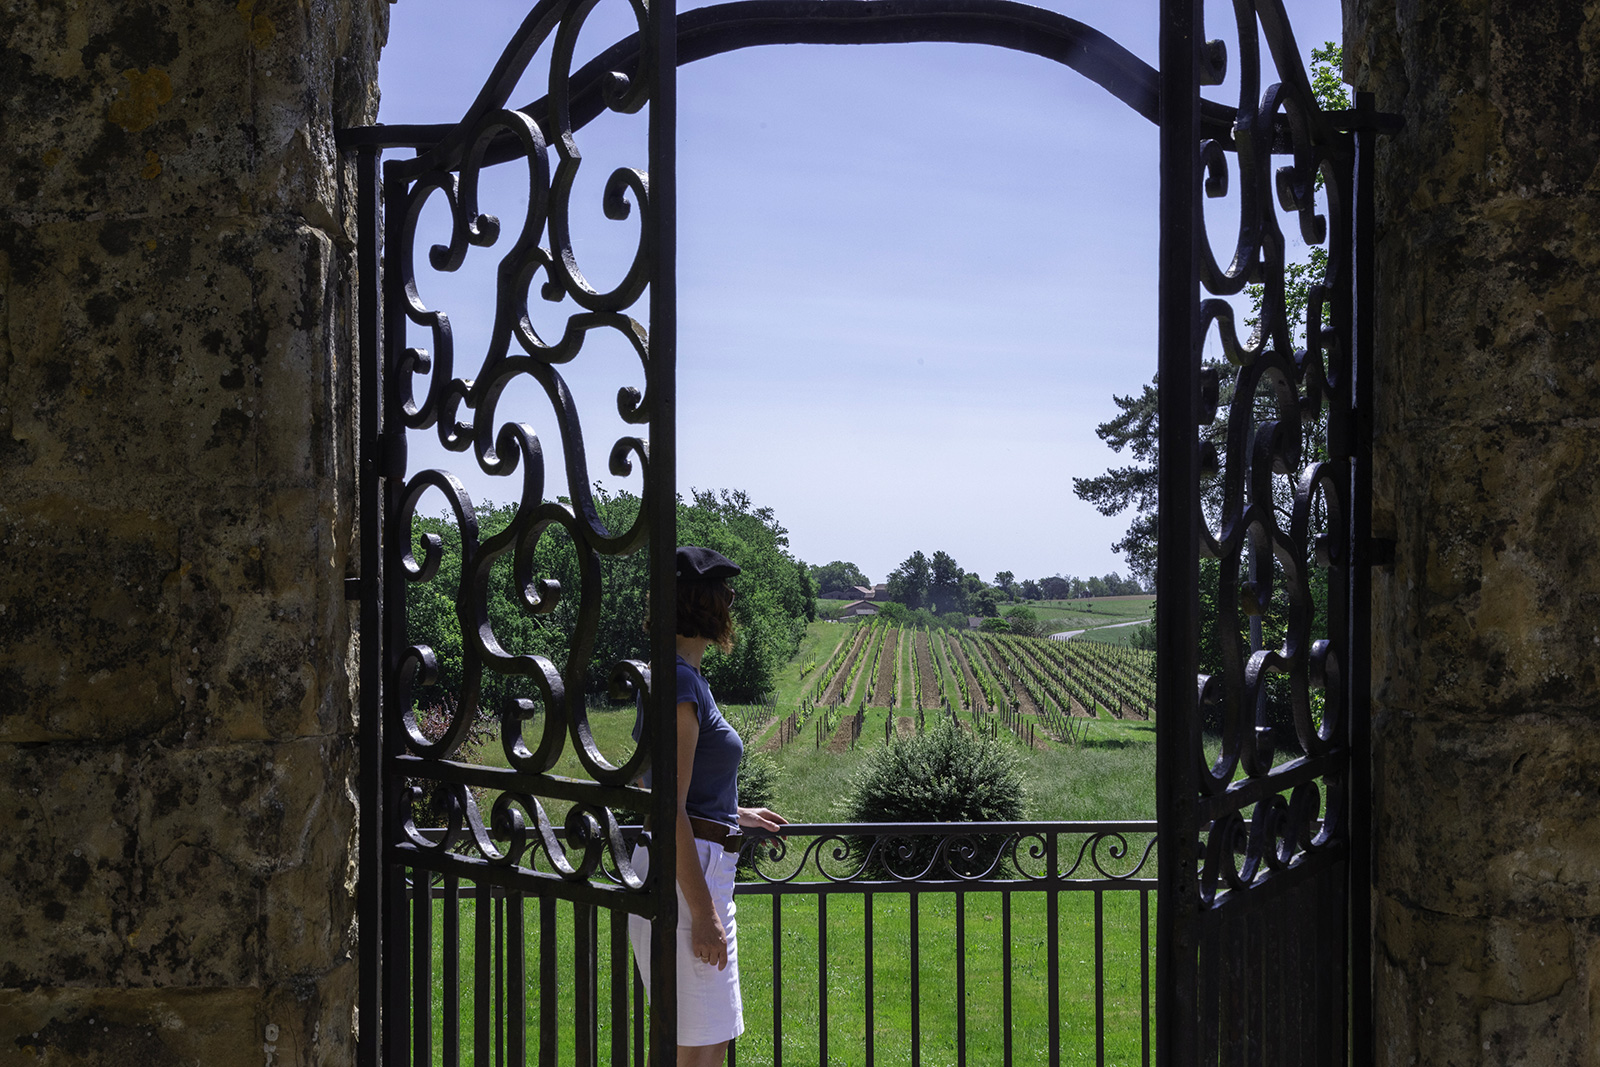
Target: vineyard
{"points": [[1042, 691]]}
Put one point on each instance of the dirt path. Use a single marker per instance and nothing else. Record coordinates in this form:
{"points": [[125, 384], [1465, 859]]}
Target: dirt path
{"points": [[1019, 692], [830, 695], [925, 671], [905, 726], [776, 737], [959, 650], [842, 735], [883, 693]]}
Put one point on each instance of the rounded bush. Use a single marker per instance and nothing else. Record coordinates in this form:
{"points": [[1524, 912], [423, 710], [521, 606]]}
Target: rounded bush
{"points": [[946, 774]]}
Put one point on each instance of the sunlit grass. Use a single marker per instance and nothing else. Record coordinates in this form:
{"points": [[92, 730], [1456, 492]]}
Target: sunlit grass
{"points": [[1125, 950]]}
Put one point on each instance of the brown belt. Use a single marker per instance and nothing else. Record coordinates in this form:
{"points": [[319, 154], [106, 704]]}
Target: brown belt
{"points": [[730, 838]]}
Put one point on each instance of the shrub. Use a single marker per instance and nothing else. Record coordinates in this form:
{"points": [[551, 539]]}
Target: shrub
{"points": [[758, 780], [945, 774]]}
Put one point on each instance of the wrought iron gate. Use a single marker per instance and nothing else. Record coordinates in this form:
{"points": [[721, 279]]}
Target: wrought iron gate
{"points": [[1264, 901], [1256, 961]]}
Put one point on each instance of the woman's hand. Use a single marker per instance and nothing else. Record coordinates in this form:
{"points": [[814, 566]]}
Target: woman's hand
{"points": [[762, 818], [708, 940]]}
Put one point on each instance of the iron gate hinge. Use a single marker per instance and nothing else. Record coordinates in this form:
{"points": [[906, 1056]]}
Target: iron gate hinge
{"points": [[352, 588]]}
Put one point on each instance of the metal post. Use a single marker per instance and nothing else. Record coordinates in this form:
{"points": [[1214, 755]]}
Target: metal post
{"points": [[662, 507], [1177, 567], [388, 636], [1359, 684]]}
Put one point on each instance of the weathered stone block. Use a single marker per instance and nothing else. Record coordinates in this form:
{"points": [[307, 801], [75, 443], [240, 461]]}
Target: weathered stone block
{"points": [[122, 1027], [1494, 599], [189, 866], [192, 356], [89, 613], [1483, 815], [1451, 990], [1503, 294], [294, 1024], [176, 108]]}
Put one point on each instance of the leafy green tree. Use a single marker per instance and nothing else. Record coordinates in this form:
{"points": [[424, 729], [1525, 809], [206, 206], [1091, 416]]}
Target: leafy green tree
{"points": [[1030, 590], [837, 575], [1023, 621], [972, 587], [1006, 582], [1056, 587], [771, 612], [909, 583], [987, 603], [1134, 428], [944, 587]]}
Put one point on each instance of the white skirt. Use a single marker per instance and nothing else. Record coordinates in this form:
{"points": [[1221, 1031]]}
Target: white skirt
{"points": [[710, 1010]]}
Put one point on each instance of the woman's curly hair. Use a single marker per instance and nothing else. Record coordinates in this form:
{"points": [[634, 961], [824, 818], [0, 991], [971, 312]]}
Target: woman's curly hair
{"points": [[705, 610]]}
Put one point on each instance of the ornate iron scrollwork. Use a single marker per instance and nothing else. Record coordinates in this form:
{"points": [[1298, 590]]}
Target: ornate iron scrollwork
{"points": [[436, 388], [1276, 472]]}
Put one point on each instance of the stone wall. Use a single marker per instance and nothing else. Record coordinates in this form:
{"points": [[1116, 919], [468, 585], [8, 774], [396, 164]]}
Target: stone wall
{"points": [[176, 739], [1487, 671]]}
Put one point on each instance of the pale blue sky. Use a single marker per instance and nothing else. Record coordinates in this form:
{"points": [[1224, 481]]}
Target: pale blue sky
{"points": [[910, 276]]}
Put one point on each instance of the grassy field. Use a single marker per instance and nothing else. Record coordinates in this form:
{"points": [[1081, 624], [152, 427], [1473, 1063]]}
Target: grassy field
{"points": [[1110, 775], [1059, 615], [1125, 941]]}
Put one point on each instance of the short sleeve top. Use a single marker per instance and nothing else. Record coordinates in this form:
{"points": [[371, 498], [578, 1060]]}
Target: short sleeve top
{"points": [[714, 782]]}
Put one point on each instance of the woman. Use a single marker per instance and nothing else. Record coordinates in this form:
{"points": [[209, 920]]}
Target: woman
{"points": [[710, 1011]]}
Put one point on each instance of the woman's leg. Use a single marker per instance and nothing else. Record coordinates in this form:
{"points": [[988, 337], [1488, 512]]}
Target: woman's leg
{"points": [[703, 1055]]}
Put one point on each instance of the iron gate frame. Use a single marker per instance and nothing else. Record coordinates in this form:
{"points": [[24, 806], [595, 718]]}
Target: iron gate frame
{"points": [[1171, 98]]}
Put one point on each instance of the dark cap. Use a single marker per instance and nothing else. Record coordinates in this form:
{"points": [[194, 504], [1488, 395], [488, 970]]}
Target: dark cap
{"points": [[704, 564]]}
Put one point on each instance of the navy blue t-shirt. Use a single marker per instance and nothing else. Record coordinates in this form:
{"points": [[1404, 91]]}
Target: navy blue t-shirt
{"points": [[714, 782]]}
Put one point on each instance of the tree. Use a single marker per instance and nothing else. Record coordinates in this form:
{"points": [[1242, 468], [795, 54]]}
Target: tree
{"points": [[1030, 590], [837, 576], [1136, 427], [909, 582], [1055, 588], [1023, 621], [944, 588], [987, 603], [774, 604], [1005, 581]]}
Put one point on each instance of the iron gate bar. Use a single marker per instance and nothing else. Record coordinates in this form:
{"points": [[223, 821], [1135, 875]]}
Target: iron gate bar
{"points": [[1178, 531], [720, 28]]}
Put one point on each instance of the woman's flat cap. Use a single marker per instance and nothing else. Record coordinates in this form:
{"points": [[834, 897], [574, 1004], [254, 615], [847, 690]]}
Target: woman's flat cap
{"points": [[704, 564]]}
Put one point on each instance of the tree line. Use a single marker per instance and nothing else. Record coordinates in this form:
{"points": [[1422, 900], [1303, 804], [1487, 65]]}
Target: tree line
{"points": [[931, 587], [776, 601]]}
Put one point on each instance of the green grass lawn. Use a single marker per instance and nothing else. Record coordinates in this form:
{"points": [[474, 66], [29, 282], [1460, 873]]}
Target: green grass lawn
{"points": [[1059, 615], [1126, 938], [1110, 776]]}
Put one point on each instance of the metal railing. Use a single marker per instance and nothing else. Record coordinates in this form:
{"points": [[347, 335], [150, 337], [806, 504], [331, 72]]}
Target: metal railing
{"points": [[982, 943], [932, 975]]}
